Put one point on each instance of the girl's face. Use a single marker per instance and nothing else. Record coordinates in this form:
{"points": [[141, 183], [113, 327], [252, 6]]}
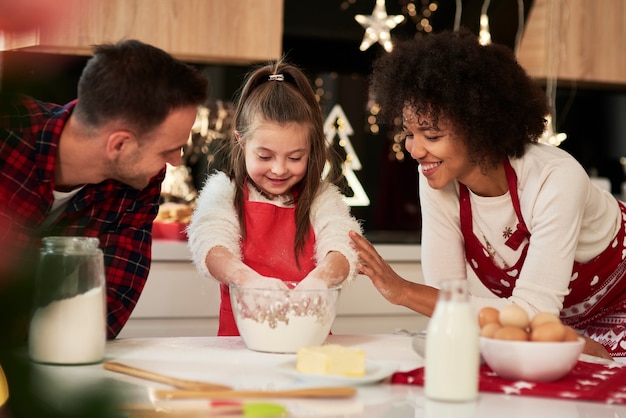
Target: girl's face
{"points": [[277, 156], [441, 154]]}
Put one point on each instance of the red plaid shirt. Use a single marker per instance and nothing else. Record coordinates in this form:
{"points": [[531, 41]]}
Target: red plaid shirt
{"points": [[120, 216]]}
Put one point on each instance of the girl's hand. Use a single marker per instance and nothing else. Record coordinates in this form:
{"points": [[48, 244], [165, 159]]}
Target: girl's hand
{"points": [[311, 282], [261, 282]]}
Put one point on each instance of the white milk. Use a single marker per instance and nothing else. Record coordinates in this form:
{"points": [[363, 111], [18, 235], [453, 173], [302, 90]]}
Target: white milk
{"points": [[69, 331], [452, 353]]}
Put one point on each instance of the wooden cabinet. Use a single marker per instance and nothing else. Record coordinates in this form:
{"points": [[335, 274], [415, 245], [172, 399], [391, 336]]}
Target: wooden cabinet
{"points": [[178, 302], [203, 31], [576, 41]]}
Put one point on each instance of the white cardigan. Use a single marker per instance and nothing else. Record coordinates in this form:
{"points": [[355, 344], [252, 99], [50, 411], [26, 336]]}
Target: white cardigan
{"points": [[215, 222]]}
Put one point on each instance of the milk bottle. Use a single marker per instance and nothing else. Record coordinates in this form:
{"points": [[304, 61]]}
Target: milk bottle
{"points": [[452, 357]]}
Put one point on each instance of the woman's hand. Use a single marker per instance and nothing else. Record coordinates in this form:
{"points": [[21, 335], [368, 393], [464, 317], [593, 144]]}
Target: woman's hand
{"points": [[594, 348], [371, 264], [416, 296]]}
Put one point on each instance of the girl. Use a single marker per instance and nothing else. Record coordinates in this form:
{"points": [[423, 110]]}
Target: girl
{"points": [[269, 217]]}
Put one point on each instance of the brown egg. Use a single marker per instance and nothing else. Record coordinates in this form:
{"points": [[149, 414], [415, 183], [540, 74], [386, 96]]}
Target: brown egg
{"points": [[488, 315], [513, 316], [549, 331], [570, 334], [489, 330], [511, 333], [542, 318]]}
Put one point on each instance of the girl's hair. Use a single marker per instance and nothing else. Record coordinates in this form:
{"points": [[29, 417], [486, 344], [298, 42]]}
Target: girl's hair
{"points": [[490, 100], [279, 93]]}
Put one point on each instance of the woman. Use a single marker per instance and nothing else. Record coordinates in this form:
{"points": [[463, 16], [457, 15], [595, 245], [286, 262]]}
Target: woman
{"points": [[520, 219]]}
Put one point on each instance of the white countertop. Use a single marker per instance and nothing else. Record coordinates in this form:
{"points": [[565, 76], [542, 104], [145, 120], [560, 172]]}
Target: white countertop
{"points": [[226, 360], [171, 250]]}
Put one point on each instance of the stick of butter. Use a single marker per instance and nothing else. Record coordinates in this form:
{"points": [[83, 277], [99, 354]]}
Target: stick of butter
{"points": [[331, 359]]}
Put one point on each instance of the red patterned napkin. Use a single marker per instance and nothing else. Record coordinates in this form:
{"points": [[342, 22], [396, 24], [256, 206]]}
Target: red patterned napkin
{"points": [[586, 382]]}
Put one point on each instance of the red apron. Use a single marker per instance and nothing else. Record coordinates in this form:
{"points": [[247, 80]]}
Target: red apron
{"points": [[269, 250], [596, 303]]}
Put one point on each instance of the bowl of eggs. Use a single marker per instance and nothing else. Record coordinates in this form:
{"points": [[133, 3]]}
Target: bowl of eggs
{"points": [[515, 347]]}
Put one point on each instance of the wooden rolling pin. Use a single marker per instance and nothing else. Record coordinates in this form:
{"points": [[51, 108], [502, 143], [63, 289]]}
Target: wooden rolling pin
{"points": [[187, 385], [320, 392]]}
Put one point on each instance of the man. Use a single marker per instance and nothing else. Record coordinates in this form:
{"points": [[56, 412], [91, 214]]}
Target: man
{"points": [[94, 167]]}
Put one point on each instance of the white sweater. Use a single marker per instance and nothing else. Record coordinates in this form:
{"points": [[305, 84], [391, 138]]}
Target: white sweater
{"points": [[215, 223], [569, 218]]}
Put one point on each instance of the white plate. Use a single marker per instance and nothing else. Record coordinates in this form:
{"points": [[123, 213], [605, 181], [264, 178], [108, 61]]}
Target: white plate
{"points": [[374, 372]]}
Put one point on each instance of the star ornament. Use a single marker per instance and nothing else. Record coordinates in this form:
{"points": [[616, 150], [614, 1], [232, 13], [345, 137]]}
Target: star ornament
{"points": [[377, 26]]}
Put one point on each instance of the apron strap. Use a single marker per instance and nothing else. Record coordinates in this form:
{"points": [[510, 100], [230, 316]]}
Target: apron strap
{"points": [[516, 239]]}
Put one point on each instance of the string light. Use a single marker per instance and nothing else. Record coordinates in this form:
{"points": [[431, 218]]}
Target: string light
{"points": [[484, 35], [457, 15], [420, 14], [336, 125], [520, 25], [418, 11], [377, 26], [550, 136]]}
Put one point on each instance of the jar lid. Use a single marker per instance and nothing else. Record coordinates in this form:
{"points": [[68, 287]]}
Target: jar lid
{"points": [[71, 244]]}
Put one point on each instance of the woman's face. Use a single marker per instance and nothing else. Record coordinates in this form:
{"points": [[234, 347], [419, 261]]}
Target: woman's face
{"points": [[277, 156], [441, 154]]}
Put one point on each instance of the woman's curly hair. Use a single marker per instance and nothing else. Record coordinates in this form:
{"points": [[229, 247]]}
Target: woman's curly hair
{"points": [[493, 105]]}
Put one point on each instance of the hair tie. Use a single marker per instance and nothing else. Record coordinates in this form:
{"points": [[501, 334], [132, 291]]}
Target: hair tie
{"points": [[277, 77]]}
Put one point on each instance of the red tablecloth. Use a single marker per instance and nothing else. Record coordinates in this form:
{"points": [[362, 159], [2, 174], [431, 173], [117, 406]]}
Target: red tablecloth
{"points": [[587, 382]]}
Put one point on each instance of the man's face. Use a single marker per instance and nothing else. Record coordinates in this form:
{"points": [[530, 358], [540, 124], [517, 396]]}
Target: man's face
{"points": [[156, 148]]}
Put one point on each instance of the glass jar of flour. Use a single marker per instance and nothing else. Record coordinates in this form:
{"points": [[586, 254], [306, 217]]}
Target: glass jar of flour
{"points": [[68, 323]]}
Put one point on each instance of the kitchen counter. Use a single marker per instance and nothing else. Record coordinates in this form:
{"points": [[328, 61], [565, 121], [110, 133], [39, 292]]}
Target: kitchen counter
{"points": [[226, 360]]}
